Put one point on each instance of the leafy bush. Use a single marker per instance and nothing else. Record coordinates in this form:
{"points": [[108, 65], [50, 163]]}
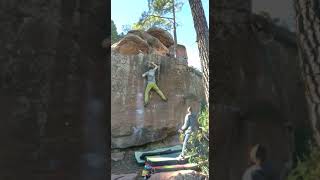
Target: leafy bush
{"points": [[198, 144], [309, 167]]}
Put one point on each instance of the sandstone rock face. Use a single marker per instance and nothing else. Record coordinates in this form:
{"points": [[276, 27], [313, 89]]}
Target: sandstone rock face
{"points": [[181, 53], [164, 36], [133, 124], [131, 44], [117, 156]]}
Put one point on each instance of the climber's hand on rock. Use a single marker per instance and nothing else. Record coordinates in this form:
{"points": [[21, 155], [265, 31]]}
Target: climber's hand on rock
{"points": [[180, 131], [144, 74]]}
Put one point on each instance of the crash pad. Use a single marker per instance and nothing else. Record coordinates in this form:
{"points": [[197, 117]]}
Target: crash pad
{"points": [[141, 155], [166, 159], [177, 167]]}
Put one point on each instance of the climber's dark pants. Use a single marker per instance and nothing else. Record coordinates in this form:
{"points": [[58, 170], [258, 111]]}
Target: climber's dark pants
{"points": [[147, 90]]}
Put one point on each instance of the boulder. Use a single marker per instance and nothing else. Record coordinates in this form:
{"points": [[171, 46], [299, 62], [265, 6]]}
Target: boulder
{"points": [[132, 124], [117, 156], [156, 44], [179, 175], [131, 44], [181, 53], [163, 35]]}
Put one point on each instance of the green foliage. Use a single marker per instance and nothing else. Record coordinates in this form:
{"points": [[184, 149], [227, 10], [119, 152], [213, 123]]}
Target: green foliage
{"points": [[302, 137], [147, 21], [158, 15], [308, 168], [198, 145], [204, 120], [114, 33]]}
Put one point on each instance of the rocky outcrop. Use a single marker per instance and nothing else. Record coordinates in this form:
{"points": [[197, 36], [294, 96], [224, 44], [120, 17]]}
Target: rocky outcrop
{"points": [[164, 36], [133, 124], [153, 42], [181, 53], [131, 44]]}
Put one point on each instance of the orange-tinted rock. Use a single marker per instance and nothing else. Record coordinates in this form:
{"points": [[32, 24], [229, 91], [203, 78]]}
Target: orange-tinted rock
{"points": [[131, 44], [156, 46], [163, 35]]}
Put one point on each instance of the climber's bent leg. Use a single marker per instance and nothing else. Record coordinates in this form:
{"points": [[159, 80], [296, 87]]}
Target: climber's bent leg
{"points": [[156, 88], [146, 93]]}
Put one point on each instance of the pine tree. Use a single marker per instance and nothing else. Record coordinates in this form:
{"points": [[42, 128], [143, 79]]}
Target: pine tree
{"points": [[201, 27], [308, 33]]}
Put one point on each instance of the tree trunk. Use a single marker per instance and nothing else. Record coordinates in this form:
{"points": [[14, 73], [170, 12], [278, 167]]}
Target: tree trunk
{"points": [[308, 35], [174, 29], [201, 27]]}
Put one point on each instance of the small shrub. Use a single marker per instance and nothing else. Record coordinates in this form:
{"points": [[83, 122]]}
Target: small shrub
{"points": [[309, 167]]}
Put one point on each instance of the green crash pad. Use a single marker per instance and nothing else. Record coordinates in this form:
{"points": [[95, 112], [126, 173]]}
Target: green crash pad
{"points": [[141, 156], [177, 167], [166, 159]]}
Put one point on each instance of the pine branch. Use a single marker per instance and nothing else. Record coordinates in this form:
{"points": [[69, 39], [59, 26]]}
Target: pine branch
{"points": [[145, 19], [159, 17]]}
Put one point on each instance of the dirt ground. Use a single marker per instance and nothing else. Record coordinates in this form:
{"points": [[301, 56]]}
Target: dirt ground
{"points": [[127, 165]]}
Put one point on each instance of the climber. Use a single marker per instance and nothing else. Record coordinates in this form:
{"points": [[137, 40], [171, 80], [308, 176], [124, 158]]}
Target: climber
{"points": [[260, 170], [151, 83], [189, 126]]}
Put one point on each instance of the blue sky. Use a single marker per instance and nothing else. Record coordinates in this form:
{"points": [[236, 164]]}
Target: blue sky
{"points": [[127, 12]]}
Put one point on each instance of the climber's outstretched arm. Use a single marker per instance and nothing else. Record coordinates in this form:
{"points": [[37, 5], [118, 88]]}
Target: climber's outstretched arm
{"points": [[144, 74], [155, 66]]}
